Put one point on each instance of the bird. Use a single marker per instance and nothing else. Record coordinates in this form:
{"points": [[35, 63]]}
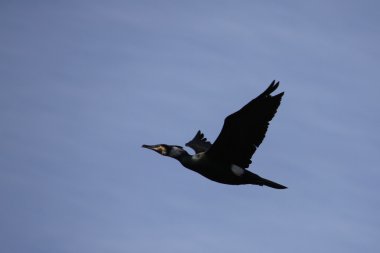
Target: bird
{"points": [[227, 160]]}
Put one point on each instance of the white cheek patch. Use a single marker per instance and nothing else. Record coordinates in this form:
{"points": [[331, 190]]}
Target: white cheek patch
{"points": [[238, 171]]}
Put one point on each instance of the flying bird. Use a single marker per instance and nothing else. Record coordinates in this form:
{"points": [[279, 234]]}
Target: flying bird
{"points": [[226, 160]]}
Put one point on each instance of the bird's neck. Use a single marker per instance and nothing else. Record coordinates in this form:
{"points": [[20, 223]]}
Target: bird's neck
{"points": [[182, 156], [185, 159], [190, 161]]}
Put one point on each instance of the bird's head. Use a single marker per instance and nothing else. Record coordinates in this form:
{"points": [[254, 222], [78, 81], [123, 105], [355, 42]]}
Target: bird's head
{"points": [[167, 150]]}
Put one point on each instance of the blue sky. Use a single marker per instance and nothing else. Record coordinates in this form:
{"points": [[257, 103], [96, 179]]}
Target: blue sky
{"points": [[83, 84]]}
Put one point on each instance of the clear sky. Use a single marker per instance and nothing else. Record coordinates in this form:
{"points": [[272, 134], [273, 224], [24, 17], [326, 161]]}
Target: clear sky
{"points": [[83, 84]]}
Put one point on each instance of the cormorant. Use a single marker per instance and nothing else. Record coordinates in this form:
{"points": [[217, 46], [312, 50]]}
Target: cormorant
{"points": [[226, 161]]}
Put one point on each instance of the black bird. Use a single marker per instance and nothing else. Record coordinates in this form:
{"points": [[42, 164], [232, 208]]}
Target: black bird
{"points": [[226, 161]]}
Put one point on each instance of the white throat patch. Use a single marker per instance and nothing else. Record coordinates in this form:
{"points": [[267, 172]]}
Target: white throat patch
{"points": [[238, 171]]}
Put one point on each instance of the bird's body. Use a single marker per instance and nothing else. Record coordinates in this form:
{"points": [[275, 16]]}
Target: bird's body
{"points": [[212, 169], [226, 161], [221, 172]]}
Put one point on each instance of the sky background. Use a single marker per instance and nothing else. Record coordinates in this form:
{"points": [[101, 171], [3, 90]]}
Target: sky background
{"points": [[83, 84]]}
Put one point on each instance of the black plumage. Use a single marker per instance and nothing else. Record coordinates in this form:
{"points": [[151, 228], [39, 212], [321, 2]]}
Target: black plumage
{"points": [[244, 130], [199, 143], [226, 161]]}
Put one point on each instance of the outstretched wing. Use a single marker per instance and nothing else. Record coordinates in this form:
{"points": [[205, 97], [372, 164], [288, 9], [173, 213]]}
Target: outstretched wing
{"points": [[199, 143], [244, 130]]}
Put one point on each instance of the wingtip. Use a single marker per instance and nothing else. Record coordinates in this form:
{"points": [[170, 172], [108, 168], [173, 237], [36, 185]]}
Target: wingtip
{"points": [[272, 87], [275, 85], [199, 135]]}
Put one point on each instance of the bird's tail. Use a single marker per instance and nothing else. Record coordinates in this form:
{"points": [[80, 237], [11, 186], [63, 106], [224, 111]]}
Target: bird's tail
{"points": [[272, 184]]}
